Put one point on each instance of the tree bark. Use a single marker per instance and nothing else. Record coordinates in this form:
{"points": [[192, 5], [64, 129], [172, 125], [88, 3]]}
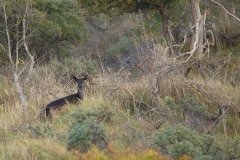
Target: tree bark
{"points": [[198, 21]]}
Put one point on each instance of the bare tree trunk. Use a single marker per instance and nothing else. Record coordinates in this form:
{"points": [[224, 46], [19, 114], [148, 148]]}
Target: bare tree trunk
{"points": [[14, 61], [198, 19], [20, 92]]}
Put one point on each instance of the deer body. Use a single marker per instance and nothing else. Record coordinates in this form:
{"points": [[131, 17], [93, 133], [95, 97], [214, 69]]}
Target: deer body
{"points": [[71, 99]]}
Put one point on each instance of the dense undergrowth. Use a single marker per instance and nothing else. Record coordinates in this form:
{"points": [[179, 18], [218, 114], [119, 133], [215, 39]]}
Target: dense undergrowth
{"points": [[123, 117]]}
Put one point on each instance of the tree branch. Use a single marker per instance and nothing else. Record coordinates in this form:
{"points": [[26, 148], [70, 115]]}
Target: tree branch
{"points": [[230, 14], [190, 53], [31, 57], [7, 33]]}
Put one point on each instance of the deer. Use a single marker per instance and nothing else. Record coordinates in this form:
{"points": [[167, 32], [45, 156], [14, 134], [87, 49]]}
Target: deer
{"points": [[71, 99]]}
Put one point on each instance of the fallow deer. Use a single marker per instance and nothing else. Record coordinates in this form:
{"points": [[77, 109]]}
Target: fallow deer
{"points": [[71, 99]]}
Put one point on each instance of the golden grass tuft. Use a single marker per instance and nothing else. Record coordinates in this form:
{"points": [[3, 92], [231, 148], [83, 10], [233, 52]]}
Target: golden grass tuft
{"points": [[112, 153], [33, 149]]}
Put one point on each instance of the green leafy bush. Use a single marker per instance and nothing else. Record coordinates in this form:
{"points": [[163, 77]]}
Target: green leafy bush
{"points": [[85, 132], [56, 26], [178, 141], [192, 111], [74, 66], [194, 104], [173, 106], [122, 47]]}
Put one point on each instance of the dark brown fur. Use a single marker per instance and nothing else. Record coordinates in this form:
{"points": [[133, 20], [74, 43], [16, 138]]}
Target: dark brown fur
{"points": [[71, 99]]}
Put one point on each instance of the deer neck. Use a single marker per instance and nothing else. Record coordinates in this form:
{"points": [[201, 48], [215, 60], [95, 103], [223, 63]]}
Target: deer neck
{"points": [[80, 93]]}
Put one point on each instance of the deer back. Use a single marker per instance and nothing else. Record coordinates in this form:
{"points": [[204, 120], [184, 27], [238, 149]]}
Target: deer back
{"points": [[71, 99]]}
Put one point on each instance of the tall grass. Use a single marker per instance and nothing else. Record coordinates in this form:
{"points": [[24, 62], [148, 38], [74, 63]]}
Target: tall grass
{"points": [[131, 109]]}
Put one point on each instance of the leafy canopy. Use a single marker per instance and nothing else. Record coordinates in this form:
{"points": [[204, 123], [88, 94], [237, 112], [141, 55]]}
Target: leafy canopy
{"points": [[116, 7], [60, 19], [56, 25]]}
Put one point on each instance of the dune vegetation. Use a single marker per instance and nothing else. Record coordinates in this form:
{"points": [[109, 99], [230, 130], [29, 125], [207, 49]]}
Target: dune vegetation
{"points": [[149, 95]]}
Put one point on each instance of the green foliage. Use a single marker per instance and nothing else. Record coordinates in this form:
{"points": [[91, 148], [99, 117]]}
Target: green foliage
{"points": [[197, 108], [116, 7], [40, 130], [193, 103], [88, 128], [15, 12], [3, 56], [64, 17], [122, 47], [154, 23], [55, 25], [231, 148], [235, 50], [177, 9], [190, 104], [178, 141], [170, 102], [173, 106], [73, 65], [85, 132], [52, 26]]}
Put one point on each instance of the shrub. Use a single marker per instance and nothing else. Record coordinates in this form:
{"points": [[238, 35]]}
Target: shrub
{"points": [[224, 148], [74, 66], [122, 47], [193, 103], [191, 111], [173, 106], [56, 26], [85, 132], [179, 142]]}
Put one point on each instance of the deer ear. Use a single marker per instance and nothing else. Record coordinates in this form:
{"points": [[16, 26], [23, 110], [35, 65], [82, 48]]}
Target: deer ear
{"points": [[73, 77]]}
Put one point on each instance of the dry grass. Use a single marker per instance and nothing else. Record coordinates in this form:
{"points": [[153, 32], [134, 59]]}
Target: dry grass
{"points": [[33, 149], [29, 137], [131, 109]]}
